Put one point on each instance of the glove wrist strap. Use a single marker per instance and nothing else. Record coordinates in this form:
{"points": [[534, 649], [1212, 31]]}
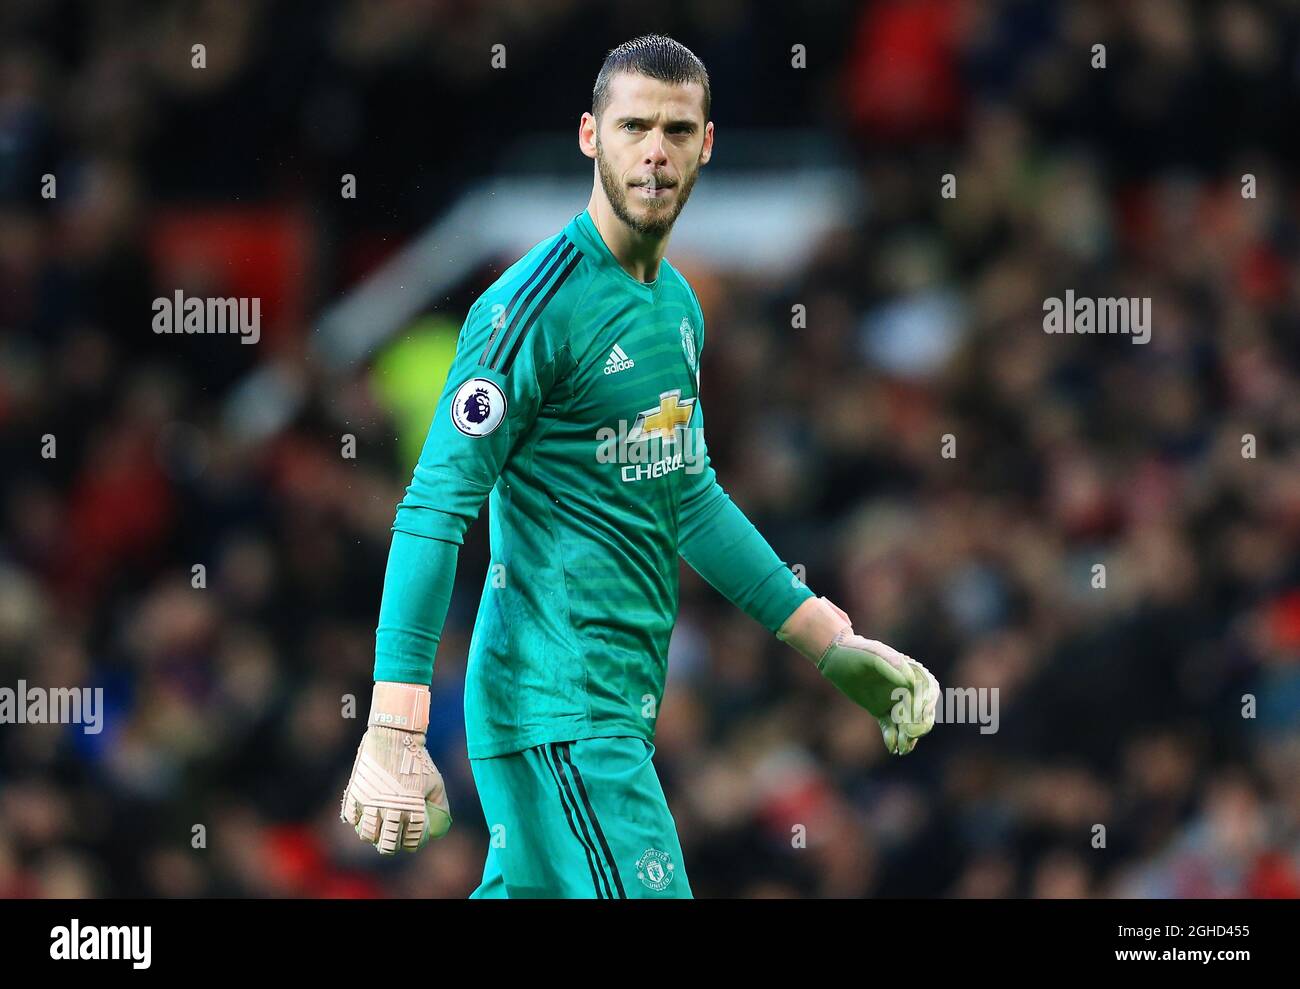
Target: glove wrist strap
{"points": [[814, 628], [400, 705]]}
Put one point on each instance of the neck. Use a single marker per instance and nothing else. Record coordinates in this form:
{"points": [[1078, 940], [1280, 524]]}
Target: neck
{"points": [[638, 254]]}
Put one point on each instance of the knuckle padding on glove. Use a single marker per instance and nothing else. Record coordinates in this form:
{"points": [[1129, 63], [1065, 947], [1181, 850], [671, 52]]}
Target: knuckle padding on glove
{"points": [[392, 785], [375, 785]]}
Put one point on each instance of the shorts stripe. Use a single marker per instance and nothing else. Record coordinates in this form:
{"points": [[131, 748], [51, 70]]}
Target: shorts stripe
{"points": [[588, 849], [591, 813]]}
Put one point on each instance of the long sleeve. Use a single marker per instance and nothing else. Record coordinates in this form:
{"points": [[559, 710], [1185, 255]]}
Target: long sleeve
{"points": [[487, 405], [455, 472], [720, 543], [417, 592], [491, 398], [722, 546]]}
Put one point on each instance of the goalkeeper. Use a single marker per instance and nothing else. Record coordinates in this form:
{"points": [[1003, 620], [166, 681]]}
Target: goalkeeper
{"points": [[572, 406]]}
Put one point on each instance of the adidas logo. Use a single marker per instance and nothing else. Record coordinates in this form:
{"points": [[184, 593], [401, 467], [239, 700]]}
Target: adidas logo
{"points": [[618, 361]]}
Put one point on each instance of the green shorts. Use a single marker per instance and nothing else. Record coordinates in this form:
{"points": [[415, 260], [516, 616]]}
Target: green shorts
{"points": [[582, 819]]}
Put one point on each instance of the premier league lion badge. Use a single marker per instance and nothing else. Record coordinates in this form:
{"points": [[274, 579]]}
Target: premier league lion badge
{"points": [[478, 407]]}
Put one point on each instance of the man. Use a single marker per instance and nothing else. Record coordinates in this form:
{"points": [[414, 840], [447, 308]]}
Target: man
{"points": [[572, 405]]}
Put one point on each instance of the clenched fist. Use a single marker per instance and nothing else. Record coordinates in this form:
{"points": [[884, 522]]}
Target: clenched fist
{"points": [[396, 798], [898, 691]]}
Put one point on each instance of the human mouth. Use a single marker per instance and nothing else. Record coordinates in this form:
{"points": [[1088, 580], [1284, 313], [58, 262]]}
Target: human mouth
{"points": [[651, 189]]}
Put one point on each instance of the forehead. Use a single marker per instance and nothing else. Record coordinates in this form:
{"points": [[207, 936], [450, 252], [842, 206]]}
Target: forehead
{"points": [[632, 94]]}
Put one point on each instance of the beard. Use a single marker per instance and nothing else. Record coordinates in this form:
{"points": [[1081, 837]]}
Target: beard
{"points": [[659, 223]]}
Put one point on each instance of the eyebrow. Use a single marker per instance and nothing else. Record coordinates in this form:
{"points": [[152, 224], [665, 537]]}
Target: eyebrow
{"points": [[680, 124]]}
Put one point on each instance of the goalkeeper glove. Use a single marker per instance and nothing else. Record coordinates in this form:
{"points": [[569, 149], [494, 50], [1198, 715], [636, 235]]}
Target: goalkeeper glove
{"points": [[395, 797], [896, 689]]}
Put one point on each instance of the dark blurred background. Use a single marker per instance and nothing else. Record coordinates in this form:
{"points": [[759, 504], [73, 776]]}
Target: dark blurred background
{"points": [[1119, 706]]}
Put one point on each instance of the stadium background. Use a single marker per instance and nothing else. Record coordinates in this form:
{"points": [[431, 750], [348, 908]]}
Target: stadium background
{"points": [[1120, 707]]}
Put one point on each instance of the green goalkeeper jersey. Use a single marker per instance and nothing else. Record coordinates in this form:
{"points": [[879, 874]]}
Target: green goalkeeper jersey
{"points": [[572, 406]]}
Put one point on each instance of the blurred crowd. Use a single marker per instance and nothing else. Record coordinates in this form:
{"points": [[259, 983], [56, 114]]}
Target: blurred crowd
{"points": [[949, 473]]}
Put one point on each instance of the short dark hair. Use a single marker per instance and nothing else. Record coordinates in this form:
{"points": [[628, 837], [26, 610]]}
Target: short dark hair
{"points": [[652, 55]]}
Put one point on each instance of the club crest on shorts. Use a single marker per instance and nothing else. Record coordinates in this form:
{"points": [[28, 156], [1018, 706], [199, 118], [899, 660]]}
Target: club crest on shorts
{"points": [[688, 344], [655, 869], [478, 407]]}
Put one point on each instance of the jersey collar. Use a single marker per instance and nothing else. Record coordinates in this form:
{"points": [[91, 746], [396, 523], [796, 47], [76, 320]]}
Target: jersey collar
{"points": [[582, 231]]}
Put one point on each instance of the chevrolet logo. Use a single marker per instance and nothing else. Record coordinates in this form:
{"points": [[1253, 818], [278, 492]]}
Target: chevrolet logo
{"points": [[663, 419]]}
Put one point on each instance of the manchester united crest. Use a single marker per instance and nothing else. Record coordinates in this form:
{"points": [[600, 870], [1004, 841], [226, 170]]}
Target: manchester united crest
{"points": [[688, 345], [655, 869]]}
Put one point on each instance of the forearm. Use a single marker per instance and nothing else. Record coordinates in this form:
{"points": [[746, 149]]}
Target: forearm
{"points": [[724, 548], [417, 593]]}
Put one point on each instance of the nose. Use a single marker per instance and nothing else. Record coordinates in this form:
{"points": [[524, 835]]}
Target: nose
{"points": [[655, 153]]}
